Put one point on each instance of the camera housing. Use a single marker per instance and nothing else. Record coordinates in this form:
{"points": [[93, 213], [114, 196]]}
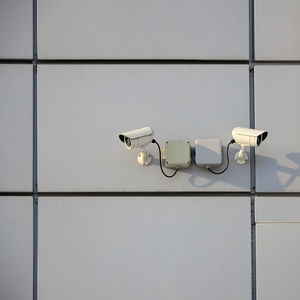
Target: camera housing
{"points": [[247, 137], [138, 138]]}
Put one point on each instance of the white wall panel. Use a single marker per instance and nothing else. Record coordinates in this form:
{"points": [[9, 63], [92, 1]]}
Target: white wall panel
{"points": [[277, 29], [213, 29], [278, 261], [144, 248], [277, 209], [16, 248], [277, 107], [82, 109], [16, 28], [16, 127]]}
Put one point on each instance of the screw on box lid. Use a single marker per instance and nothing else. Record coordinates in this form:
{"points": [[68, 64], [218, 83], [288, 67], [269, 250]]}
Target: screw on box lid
{"points": [[177, 154]]}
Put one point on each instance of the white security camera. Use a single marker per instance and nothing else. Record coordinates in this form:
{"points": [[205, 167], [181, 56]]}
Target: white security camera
{"points": [[247, 137], [138, 138]]}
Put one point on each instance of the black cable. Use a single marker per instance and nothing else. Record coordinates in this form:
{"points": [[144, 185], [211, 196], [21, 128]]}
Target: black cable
{"points": [[221, 172], [160, 162]]}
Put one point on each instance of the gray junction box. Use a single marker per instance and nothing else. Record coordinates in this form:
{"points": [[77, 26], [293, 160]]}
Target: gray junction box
{"points": [[177, 154], [208, 153]]}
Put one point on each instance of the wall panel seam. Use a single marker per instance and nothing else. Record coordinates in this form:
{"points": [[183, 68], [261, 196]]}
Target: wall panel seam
{"points": [[34, 165], [252, 150]]}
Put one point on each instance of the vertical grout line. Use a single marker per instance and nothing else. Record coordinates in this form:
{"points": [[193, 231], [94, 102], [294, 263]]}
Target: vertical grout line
{"points": [[251, 88], [253, 247], [35, 246], [34, 181], [252, 150], [251, 91]]}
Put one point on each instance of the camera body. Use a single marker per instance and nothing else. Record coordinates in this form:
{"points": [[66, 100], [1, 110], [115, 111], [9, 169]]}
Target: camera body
{"points": [[248, 136], [137, 138]]}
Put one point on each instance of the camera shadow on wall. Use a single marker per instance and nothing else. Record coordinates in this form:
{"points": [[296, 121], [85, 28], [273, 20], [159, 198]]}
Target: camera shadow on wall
{"points": [[272, 176], [276, 176]]}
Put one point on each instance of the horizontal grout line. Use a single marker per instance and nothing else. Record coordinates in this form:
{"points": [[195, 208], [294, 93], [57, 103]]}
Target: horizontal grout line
{"points": [[15, 61], [142, 61], [277, 62], [278, 194], [277, 222], [153, 194], [3, 194], [147, 61], [143, 194]]}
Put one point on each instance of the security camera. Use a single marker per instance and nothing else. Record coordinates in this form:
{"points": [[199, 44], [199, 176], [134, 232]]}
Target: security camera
{"points": [[138, 138], [247, 137]]}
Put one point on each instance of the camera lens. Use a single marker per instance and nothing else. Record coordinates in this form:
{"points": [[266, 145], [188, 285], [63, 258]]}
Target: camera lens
{"points": [[258, 140], [127, 141]]}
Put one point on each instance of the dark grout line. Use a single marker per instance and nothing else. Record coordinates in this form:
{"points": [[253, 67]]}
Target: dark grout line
{"points": [[35, 247], [15, 61], [278, 194], [151, 194], [252, 150], [143, 61], [143, 194], [16, 194], [147, 61], [277, 62], [253, 248], [34, 130], [34, 164], [277, 222]]}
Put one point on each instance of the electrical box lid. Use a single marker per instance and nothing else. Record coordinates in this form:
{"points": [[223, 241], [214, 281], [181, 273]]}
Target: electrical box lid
{"points": [[208, 153], [177, 154]]}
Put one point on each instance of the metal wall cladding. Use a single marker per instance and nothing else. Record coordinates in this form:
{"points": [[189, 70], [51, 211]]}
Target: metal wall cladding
{"points": [[82, 109], [277, 30], [16, 29], [135, 29], [277, 209], [144, 248], [277, 106], [16, 248], [147, 247], [16, 128], [278, 261], [277, 247]]}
